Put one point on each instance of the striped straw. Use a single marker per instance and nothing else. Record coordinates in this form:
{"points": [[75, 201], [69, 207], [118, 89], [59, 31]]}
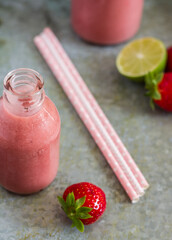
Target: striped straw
{"points": [[134, 168], [89, 116]]}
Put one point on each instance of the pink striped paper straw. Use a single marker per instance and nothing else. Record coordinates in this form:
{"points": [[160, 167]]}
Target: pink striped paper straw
{"points": [[127, 171], [119, 158], [94, 117], [101, 132], [134, 168], [59, 74]]}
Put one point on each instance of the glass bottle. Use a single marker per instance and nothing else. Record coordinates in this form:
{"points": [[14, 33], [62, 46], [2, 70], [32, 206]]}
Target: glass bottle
{"points": [[106, 21], [29, 134]]}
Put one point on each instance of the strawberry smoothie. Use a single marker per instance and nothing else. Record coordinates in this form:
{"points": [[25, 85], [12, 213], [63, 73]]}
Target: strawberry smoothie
{"points": [[29, 134], [106, 21]]}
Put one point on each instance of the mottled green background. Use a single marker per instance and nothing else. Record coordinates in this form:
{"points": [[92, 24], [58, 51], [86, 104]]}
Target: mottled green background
{"points": [[146, 134]]}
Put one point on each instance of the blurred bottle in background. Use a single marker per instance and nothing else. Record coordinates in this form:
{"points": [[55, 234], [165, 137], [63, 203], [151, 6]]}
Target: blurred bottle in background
{"points": [[106, 21]]}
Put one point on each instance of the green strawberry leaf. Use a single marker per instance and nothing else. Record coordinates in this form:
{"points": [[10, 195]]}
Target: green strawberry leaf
{"points": [[70, 200], [78, 224], [80, 202], [83, 210], [151, 84], [152, 105], [74, 210], [157, 95], [63, 203], [73, 225], [83, 215], [159, 77]]}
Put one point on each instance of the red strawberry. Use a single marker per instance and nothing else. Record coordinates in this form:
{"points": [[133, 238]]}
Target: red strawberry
{"points": [[160, 90], [169, 60], [83, 203]]}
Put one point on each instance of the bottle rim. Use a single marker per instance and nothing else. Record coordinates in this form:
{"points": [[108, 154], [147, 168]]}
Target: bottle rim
{"points": [[8, 80]]}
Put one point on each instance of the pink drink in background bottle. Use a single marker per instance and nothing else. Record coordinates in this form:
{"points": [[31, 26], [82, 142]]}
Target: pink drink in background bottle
{"points": [[29, 134], [106, 21]]}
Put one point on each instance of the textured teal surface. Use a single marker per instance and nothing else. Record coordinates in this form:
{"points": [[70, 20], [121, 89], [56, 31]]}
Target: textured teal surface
{"points": [[146, 134]]}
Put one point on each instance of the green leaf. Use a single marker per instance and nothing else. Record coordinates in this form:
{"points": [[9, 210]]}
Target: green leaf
{"points": [[75, 211], [83, 210], [78, 224], [152, 104], [156, 95], [152, 80], [70, 200], [73, 225], [73, 199], [159, 77], [63, 203], [151, 84], [80, 202], [83, 215]]}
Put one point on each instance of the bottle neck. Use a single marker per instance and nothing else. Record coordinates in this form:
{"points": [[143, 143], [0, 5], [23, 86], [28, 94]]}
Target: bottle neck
{"points": [[23, 93]]}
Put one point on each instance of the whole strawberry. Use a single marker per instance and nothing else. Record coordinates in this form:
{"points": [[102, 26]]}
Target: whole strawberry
{"points": [[83, 203], [169, 60], [159, 89]]}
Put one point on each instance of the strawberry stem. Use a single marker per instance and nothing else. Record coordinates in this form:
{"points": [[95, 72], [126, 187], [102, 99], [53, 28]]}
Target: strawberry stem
{"points": [[74, 210]]}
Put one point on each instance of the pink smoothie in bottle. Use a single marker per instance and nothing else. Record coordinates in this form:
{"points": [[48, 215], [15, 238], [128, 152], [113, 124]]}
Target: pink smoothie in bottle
{"points": [[106, 21], [29, 134]]}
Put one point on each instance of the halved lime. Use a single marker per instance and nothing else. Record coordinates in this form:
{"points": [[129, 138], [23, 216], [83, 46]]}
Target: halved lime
{"points": [[141, 56]]}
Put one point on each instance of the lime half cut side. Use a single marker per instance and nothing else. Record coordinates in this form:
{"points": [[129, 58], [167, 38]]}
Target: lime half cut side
{"points": [[141, 56]]}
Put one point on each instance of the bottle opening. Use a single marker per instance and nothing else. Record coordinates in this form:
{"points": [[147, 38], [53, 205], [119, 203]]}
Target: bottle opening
{"points": [[23, 82], [23, 91]]}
